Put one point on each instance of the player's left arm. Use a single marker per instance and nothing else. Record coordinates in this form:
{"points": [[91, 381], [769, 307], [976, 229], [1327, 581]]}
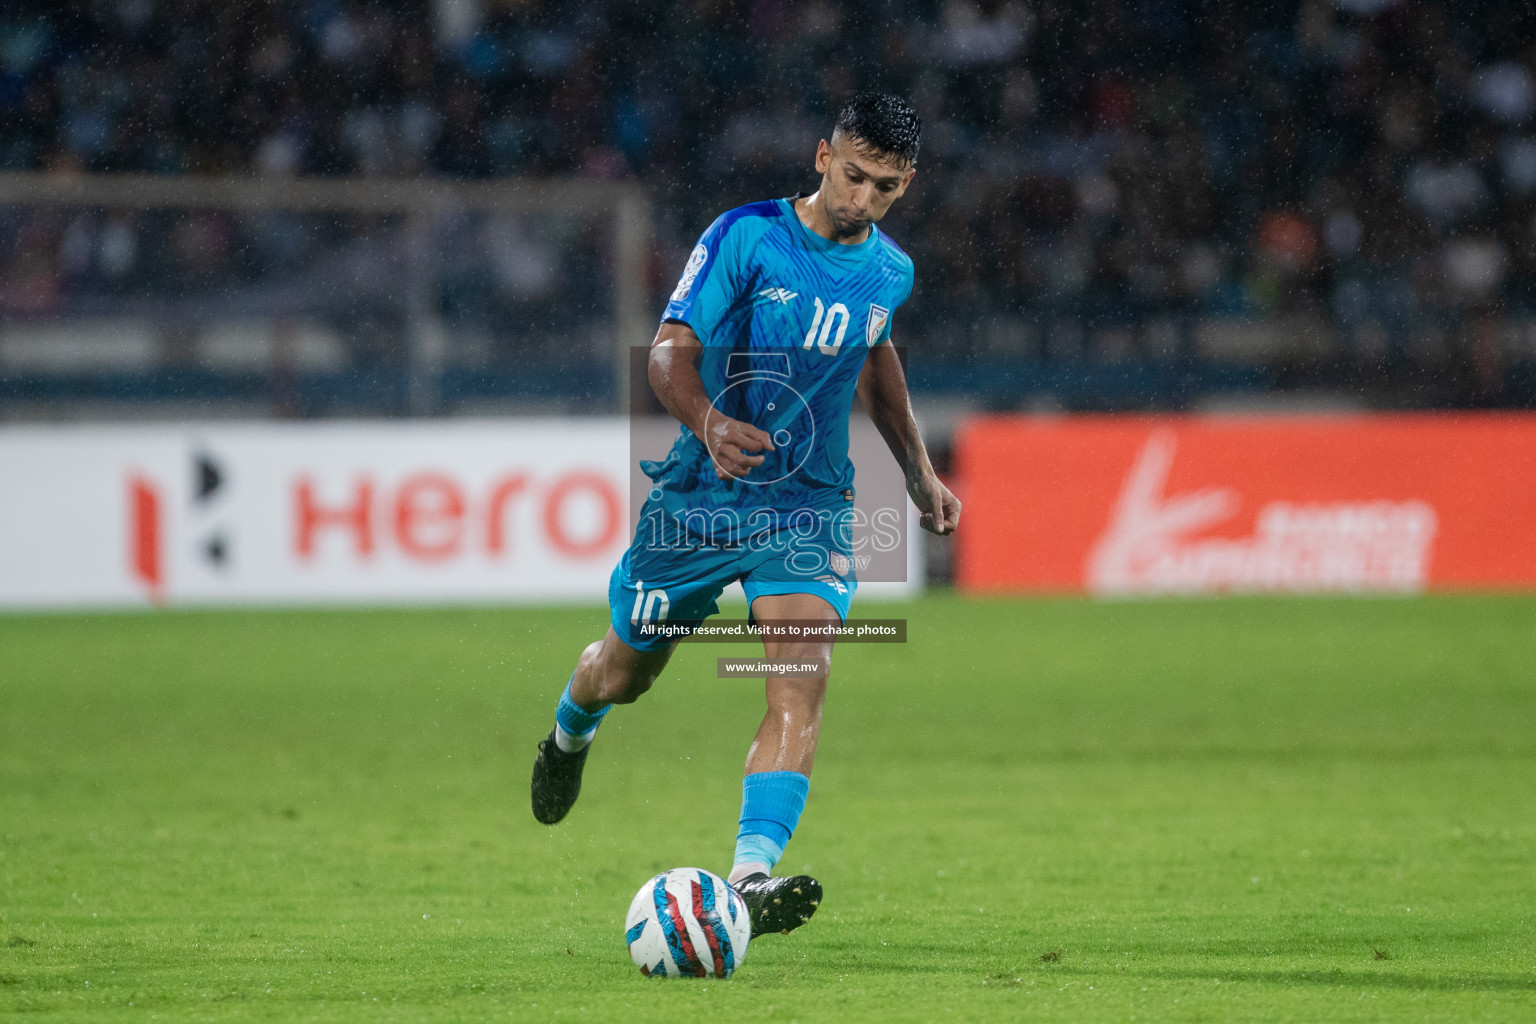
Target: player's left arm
{"points": [[883, 390]]}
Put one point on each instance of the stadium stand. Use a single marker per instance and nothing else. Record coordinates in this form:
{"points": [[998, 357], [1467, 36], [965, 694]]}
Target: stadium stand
{"points": [[1121, 204]]}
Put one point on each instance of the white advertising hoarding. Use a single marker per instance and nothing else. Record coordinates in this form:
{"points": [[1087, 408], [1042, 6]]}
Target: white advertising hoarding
{"points": [[317, 513]]}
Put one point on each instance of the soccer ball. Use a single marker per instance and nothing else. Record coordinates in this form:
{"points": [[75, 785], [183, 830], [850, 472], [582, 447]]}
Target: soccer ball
{"points": [[687, 923]]}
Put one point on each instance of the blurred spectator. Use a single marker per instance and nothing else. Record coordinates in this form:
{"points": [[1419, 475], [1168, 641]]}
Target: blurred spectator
{"points": [[1371, 160]]}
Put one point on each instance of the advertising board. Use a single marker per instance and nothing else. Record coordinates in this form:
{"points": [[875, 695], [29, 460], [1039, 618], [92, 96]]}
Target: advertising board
{"points": [[382, 512], [1192, 505]]}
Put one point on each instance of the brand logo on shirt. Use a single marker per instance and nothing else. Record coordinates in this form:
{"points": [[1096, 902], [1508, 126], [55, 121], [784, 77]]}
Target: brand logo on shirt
{"points": [[779, 295], [691, 271], [878, 315]]}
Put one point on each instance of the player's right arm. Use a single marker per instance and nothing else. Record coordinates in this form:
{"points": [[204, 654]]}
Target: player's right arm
{"points": [[714, 281], [673, 372]]}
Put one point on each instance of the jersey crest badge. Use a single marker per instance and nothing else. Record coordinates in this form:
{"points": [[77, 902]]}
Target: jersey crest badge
{"points": [[878, 315], [691, 271]]}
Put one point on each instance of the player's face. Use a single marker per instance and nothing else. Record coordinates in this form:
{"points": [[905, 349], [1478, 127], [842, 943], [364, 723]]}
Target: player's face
{"points": [[857, 186]]}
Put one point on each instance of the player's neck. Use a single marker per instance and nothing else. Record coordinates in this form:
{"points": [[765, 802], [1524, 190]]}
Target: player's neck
{"points": [[813, 214]]}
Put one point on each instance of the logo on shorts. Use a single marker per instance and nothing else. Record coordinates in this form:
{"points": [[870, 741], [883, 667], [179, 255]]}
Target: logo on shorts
{"points": [[839, 562], [834, 583], [878, 315], [691, 271]]}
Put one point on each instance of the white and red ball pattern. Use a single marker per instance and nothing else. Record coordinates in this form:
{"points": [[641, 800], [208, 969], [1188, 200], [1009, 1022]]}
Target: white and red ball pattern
{"points": [[687, 923]]}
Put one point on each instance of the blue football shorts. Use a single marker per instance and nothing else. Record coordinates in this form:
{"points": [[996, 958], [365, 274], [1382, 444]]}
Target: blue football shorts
{"points": [[677, 582]]}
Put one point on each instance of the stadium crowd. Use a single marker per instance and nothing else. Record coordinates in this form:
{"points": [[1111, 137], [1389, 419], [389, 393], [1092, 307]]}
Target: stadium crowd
{"points": [[1364, 165]]}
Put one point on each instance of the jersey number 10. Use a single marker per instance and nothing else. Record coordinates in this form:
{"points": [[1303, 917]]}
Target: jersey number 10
{"points": [[824, 320]]}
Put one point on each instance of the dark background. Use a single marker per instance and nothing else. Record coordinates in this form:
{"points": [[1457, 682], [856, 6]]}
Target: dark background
{"points": [[1120, 203]]}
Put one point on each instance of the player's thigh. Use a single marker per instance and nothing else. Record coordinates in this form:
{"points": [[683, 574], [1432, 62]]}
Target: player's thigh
{"points": [[808, 612], [793, 583], [799, 693], [802, 574], [778, 589]]}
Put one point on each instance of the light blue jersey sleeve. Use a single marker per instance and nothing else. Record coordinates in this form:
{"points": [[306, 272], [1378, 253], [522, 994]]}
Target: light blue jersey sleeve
{"points": [[717, 276], [903, 278]]}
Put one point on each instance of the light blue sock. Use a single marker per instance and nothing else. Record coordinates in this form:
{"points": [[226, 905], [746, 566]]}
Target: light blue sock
{"points": [[575, 727], [771, 805]]}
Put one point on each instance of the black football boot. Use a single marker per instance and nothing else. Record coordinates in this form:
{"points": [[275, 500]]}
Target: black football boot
{"points": [[779, 904], [556, 779]]}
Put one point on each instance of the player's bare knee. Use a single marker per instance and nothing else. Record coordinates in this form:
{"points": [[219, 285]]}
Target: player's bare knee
{"points": [[798, 695], [591, 655], [626, 688], [589, 668], [621, 681]]}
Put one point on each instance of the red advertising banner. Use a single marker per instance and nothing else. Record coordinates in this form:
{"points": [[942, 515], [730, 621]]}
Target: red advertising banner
{"points": [[1169, 505]]}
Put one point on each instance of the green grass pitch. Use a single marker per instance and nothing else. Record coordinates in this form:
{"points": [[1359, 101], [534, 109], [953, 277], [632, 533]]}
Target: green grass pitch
{"points": [[1236, 810]]}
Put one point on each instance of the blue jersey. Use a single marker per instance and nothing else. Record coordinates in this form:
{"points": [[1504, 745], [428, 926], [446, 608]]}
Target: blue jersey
{"points": [[786, 318]]}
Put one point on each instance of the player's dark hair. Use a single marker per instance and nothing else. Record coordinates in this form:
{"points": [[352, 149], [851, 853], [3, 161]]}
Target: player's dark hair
{"points": [[883, 123]]}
